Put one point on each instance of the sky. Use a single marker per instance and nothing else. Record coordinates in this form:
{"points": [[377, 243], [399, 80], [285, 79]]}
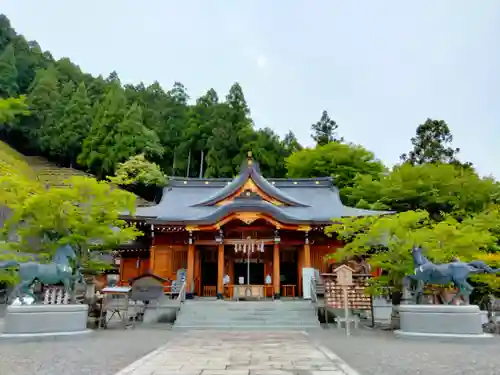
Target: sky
{"points": [[380, 68]]}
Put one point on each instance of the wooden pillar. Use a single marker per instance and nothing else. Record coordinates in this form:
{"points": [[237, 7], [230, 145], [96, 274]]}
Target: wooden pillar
{"points": [[276, 269], [220, 270], [190, 269], [121, 270], [197, 272], [300, 251], [152, 258], [231, 270]]}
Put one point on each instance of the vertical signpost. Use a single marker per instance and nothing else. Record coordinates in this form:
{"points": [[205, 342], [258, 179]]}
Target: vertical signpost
{"points": [[344, 280]]}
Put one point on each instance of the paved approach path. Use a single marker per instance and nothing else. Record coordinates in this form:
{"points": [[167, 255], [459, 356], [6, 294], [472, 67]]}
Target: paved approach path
{"points": [[239, 353]]}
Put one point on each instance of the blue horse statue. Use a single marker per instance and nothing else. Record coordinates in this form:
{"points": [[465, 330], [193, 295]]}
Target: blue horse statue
{"points": [[455, 273], [59, 270]]}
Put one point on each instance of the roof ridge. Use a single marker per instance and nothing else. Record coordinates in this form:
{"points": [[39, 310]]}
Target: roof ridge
{"points": [[249, 171]]}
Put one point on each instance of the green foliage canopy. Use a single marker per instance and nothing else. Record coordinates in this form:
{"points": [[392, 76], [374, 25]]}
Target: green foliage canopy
{"points": [[12, 107], [436, 188], [387, 241], [138, 170], [432, 144], [341, 161], [85, 214]]}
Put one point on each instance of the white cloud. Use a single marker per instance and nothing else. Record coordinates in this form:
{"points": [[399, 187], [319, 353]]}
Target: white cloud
{"points": [[261, 62]]}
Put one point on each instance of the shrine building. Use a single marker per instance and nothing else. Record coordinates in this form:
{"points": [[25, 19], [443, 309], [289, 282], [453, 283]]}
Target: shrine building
{"points": [[248, 230]]}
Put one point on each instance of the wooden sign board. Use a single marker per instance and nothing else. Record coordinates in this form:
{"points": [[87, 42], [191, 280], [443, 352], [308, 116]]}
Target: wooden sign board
{"points": [[344, 275]]}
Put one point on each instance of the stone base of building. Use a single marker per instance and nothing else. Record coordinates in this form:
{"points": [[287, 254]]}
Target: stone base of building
{"points": [[45, 320], [441, 322]]}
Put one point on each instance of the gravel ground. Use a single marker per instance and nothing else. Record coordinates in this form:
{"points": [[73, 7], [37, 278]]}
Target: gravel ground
{"points": [[380, 353], [102, 352], [371, 352]]}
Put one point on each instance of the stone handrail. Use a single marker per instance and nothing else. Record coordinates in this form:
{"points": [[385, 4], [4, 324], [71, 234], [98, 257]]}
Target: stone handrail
{"points": [[182, 294], [314, 295]]}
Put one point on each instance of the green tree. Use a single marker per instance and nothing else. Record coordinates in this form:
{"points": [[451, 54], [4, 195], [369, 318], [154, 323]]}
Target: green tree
{"points": [[116, 135], [101, 138], [138, 170], [29, 59], [7, 33], [49, 132], [291, 144], [436, 188], [12, 107], [387, 243], [73, 127], [325, 130], [85, 214], [96, 90], [432, 144], [8, 73], [269, 151], [179, 94], [67, 71], [232, 136], [341, 161], [41, 100], [132, 138], [193, 145]]}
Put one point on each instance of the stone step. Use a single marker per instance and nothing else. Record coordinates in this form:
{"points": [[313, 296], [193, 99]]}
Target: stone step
{"points": [[230, 324], [249, 321], [245, 328], [251, 315]]}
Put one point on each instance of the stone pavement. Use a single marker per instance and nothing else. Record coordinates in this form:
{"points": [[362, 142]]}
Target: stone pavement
{"points": [[239, 353]]}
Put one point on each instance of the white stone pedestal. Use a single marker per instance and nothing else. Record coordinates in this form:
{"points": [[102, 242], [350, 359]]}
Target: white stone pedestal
{"points": [[45, 320], [441, 321]]}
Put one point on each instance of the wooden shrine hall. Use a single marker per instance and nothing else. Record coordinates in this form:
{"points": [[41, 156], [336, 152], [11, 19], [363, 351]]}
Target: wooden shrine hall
{"points": [[248, 230]]}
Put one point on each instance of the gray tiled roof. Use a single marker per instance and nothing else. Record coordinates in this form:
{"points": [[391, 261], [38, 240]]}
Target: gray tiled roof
{"points": [[306, 201]]}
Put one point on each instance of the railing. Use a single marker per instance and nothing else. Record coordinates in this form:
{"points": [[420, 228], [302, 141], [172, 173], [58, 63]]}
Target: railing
{"points": [[229, 289], [182, 294], [288, 290], [209, 291], [314, 295]]}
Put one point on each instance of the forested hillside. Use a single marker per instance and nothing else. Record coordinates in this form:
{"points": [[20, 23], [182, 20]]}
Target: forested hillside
{"points": [[51, 108], [93, 123]]}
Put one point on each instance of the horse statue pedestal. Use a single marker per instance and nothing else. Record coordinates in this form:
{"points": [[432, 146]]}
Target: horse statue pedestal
{"points": [[29, 321], [441, 322]]}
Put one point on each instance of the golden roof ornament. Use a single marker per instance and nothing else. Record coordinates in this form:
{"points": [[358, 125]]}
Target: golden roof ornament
{"points": [[249, 158]]}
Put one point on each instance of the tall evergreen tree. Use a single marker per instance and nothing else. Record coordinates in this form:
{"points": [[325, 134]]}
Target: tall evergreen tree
{"points": [[268, 149], [133, 138], [113, 79], [117, 134], [231, 137], [29, 59], [325, 130], [48, 136], [432, 144], [73, 127], [179, 93], [202, 119], [7, 33], [8, 73], [41, 100], [291, 144], [96, 146]]}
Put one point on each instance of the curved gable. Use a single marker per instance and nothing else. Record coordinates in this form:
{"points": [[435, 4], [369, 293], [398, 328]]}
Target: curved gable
{"points": [[250, 181]]}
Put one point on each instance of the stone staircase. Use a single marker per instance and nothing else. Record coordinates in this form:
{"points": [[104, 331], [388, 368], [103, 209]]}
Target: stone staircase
{"points": [[295, 315]]}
